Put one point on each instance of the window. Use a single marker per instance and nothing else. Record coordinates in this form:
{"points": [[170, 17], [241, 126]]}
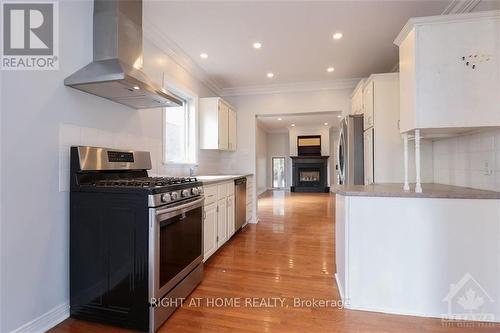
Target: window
{"points": [[278, 172], [180, 133]]}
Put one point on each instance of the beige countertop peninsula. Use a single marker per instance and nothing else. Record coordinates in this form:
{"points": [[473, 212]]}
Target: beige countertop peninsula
{"points": [[429, 190]]}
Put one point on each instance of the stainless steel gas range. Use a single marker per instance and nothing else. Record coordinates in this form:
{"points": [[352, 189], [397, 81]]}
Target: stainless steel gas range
{"points": [[135, 241]]}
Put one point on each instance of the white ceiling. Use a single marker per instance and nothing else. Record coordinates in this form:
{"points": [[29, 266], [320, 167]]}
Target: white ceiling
{"points": [[310, 120], [296, 37]]}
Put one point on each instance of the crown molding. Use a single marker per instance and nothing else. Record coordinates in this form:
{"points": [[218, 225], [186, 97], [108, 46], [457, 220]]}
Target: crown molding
{"points": [[291, 87], [418, 21], [460, 6], [175, 52]]}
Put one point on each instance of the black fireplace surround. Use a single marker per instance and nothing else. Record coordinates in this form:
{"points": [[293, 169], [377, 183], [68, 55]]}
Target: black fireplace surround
{"points": [[309, 174]]}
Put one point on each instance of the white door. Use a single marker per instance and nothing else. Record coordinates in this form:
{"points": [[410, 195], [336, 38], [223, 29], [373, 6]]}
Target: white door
{"points": [[223, 126], [368, 156], [222, 222], [368, 106], [230, 216], [210, 231], [232, 129]]}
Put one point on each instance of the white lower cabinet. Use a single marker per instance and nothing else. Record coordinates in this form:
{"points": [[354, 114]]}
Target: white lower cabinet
{"points": [[219, 218], [210, 230], [230, 216], [222, 222]]}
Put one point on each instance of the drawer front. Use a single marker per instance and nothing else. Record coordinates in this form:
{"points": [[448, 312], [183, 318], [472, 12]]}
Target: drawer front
{"points": [[222, 191], [230, 188], [210, 194]]}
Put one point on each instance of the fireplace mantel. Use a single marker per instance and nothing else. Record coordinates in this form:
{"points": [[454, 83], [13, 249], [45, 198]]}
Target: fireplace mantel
{"points": [[309, 174], [309, 157]]}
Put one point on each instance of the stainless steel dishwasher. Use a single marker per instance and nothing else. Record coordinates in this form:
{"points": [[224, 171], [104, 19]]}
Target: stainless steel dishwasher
{"points": [[241, 201]]}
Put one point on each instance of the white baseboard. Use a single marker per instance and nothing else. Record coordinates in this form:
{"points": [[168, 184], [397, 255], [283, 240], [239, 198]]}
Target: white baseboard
{"points": [[340, 287], [393, 311], [252, 221], [260, 191], [403, 313], [46, 321]]}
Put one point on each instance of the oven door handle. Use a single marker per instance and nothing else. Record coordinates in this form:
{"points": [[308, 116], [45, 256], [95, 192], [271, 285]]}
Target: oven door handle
{"points": [[184, 207]]}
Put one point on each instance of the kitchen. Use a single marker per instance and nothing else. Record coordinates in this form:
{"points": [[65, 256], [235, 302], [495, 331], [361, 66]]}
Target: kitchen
{"points": [[35, 237]]}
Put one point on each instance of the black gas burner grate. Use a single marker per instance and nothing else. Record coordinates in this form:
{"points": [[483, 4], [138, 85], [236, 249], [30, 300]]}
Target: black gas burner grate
{"points": [[145, 182]]}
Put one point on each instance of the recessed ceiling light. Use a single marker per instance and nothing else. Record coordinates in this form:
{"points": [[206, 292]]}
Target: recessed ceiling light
{"points": [[326, 124], [136, 87], [203, 56], [293, 125], [257, 45], [280, 118], [330, 69], [337, 35], [270, 75], [339, 116]]}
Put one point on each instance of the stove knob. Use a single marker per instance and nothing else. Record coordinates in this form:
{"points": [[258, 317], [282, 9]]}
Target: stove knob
{"points": [[175, 195], [195, 191], [200, 190], [165, 197], [185, 193]]}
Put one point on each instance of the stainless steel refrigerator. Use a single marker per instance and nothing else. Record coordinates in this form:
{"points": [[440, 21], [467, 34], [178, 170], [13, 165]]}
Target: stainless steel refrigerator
{"points": [[350, 151]]}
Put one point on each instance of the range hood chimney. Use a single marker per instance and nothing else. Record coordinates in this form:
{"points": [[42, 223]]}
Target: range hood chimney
{"points": [[116, 73]]}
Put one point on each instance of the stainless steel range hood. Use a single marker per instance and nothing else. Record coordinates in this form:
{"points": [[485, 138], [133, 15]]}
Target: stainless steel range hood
{"points": [[116, 73]]}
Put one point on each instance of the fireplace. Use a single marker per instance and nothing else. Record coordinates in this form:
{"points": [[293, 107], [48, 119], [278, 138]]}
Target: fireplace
{"points": [[309, 174]]}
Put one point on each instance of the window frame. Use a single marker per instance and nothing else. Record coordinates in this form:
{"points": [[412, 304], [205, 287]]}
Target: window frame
{"points": [[190, 99]]}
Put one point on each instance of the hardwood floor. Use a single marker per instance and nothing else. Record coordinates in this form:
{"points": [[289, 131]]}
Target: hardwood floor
{"points": [[289, 254]]}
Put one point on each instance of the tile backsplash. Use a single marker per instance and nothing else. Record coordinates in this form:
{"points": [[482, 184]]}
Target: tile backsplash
{"points": [[72, 135], [469, 160]]}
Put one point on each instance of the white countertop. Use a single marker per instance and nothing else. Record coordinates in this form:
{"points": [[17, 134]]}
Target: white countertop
{"points": [[210, 179]]}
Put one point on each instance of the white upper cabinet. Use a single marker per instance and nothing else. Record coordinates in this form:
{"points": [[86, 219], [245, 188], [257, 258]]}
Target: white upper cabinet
{"points": [[368, 156], [223, 126], [368, 104], [357, 98], [450, 73], [232, 130], [217, 124]]}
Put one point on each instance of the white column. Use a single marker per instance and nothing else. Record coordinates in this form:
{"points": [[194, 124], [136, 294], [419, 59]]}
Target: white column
{"points": [[406, 186], [418, 185]]}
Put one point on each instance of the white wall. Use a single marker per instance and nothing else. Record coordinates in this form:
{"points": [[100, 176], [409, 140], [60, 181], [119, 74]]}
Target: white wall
{"points": [[278, 146], [38, 111], [248, 106], [261, 159], [469, 160], [324, 132], [279, 103]]}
